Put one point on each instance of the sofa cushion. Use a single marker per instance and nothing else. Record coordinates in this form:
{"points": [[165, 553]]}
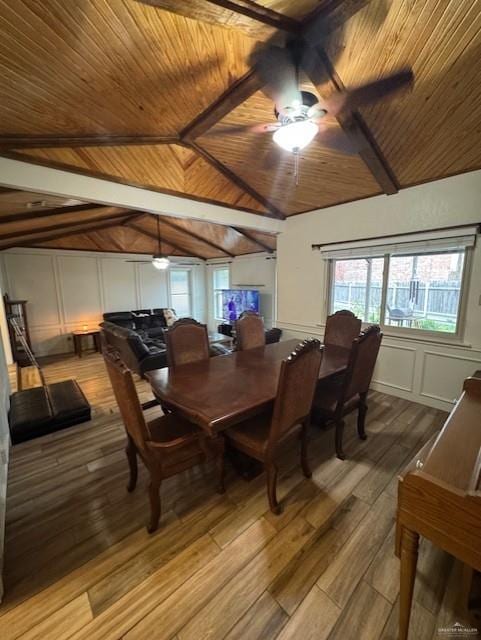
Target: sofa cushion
{"points": [[142, 321], [138, 346], [156, 332], [121, 318], [157, 320]]}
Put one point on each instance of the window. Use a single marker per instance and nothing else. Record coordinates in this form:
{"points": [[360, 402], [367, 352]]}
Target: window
{"points": [[418, 291], [180, 292], [357, 286], [220, 281]]}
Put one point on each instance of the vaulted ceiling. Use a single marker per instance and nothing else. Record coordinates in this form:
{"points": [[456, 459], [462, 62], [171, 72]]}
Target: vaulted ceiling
{"points": [[143, 92], [35, 220]]}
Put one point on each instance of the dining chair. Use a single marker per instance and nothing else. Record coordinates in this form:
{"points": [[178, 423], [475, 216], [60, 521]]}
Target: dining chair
{"points": [[335, 398], [187, 341], [260, 436], [249, 329], [167, 445], [342, 327]]}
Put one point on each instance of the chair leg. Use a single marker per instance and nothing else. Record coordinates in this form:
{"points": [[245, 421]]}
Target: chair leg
{"points": [[361, 417], [131, 452], [304, 461], [154, 496], [220, 463], [339, 433], [271, 471]]}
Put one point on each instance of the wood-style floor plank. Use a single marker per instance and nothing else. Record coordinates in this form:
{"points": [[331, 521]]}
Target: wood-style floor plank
{"points": [[81, 566]]}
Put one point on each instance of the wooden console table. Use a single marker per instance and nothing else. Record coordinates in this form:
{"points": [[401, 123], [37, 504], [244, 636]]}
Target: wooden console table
{"points": [[440, 496], [78, 340]]}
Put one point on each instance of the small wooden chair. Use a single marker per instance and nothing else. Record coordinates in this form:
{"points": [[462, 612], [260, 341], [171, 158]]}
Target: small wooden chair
{"points": [[342, 328], [167, 445], [187, 341], [250, 331], [336, 398], [260, 436]]}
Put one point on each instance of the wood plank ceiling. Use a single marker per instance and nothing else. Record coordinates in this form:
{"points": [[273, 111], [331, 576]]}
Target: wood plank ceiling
{"points": [[34, 220], [140, 92]]}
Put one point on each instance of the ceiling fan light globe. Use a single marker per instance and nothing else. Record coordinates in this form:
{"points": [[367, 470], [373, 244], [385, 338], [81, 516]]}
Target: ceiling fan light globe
{"points": [[161, 263], [296, 135]]}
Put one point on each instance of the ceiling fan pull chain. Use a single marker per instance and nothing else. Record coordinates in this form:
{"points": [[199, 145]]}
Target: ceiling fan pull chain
{"points": [[296, 166]]}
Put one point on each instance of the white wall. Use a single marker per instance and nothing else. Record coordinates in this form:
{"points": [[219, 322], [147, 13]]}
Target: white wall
{"points": [[428, 372], [253, 271], [66, 289]]}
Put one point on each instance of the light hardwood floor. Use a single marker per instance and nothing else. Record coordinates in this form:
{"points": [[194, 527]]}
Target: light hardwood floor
{"points": [[80, 564]]}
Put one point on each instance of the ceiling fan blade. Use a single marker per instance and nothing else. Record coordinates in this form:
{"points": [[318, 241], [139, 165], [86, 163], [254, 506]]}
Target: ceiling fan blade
{"points": [[139, 261], [346, 101], [221, 130], [325, 22], [274, 156], [277, 69], [337, 140]]}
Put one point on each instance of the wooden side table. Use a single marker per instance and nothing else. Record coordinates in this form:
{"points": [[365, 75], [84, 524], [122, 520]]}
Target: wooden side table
{"points": [[78, 340]]}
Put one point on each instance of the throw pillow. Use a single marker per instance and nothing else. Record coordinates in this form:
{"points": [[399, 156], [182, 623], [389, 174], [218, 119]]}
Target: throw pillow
{"points": [[170, 317]]}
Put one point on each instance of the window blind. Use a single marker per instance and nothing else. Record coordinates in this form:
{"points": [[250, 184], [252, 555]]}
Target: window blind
{"points": [[416, 243]]}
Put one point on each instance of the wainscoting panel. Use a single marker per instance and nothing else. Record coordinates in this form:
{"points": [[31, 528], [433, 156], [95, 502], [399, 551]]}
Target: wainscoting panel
{"points": [[443, 374], [153, 287], [80, 288], [50, 340], [395, 367], [118, 284], [68, 289], [431, 373], [34, 280]]}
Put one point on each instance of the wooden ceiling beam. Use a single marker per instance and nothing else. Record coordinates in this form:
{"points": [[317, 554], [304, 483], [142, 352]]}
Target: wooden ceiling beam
{"points": [[259, 13], [196, 236], [149, 234], [272, 211], [253, 20], [35, 214], [39, 237], [326, 81], [251, 238], [66, 225], [235, 95], [33, 142]]}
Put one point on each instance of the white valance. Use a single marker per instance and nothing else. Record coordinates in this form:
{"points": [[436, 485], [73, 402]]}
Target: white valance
{"points": [[456, 239]]}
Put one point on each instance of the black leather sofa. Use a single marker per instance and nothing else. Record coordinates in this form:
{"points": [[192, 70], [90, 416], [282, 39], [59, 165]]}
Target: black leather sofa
{"points": [[140, 351], [272, 335], [41, 410], [139, 338]]}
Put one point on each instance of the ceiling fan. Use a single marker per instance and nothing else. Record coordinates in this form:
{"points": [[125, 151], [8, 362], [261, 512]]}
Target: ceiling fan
{"points": [[159, 260], [300, 115]]}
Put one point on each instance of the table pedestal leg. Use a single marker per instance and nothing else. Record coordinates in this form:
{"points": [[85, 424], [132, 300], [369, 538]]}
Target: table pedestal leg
{"points": [[409, 559]]}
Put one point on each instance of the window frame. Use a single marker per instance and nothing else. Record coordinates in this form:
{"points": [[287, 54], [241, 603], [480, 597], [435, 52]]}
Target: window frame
{"points": [[189, 285], [215, 290], [412, 332]]}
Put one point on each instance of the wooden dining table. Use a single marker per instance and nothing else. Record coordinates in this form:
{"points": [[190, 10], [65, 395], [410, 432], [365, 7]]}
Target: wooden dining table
{"points": [[224, 390]]}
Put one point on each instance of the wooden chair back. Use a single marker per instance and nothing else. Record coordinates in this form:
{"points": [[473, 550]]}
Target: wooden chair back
{"points": [[297, 385], [362, 361], [127, 399], [187, 341], [342, 328], [250, 331]]}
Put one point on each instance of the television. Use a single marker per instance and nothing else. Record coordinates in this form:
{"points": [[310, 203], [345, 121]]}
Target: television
{"points": [[235, 301]]}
